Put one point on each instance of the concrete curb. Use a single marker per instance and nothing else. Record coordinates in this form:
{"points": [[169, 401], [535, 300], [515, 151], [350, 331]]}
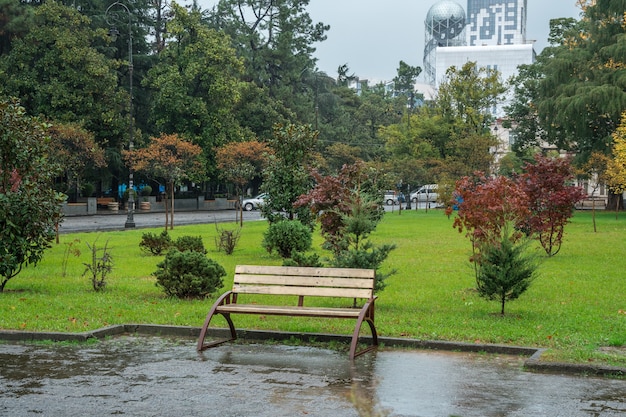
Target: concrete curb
{"points": [[533, 362]]}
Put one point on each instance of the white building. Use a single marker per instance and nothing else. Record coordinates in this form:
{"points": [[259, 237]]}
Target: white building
{"points": [[504, 58]]}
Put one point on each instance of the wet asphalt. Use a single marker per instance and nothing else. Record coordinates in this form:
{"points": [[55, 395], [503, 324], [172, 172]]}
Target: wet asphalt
{"points": [[164, 376], [106, 220], [144, 375]]}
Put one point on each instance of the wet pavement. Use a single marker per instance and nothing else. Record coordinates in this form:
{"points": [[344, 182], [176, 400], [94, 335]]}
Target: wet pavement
{"points": [[105, 221], [164, 376]]}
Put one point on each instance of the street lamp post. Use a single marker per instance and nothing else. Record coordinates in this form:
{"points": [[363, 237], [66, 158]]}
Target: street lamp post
{"points": [[112, 18], [408, 197]]}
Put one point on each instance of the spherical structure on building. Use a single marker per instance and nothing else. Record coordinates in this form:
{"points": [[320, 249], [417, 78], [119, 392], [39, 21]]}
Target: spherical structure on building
{"points": [[445, 20]]}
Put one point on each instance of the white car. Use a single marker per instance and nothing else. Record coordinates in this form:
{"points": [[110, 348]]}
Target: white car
{"points": [[390, 198], [254, 203], [425, 193]]}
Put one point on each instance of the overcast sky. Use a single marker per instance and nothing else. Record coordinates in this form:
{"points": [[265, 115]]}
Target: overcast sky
{"points": [[372, 36]]}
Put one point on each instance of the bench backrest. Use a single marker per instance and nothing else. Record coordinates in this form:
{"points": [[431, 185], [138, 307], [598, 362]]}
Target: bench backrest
{"points": [[304, 281]]}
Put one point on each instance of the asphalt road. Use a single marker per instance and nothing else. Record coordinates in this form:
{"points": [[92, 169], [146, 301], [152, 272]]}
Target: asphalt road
{"points": [[105, 221]]}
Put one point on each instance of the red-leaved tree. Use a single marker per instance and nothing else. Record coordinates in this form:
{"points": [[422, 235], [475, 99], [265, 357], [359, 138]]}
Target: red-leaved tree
{"points": [[240, 162], [489, 208], [548, 184], [171, 158]]}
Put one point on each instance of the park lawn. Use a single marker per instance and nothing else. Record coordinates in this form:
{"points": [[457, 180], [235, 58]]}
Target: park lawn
{"points": [[576, 307]]}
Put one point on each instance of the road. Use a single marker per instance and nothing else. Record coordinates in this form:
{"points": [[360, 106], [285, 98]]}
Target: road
{"points": [[105, 221]]}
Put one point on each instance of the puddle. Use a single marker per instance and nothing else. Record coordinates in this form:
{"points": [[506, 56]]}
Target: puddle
{"points": [[152, 376]]}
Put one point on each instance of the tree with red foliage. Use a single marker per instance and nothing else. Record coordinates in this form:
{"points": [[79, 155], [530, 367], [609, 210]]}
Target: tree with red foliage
{"points": [[489, 211], [171, 158], [349, 206], [488, 208], [551, 199], [334, 198], [240, 162]]}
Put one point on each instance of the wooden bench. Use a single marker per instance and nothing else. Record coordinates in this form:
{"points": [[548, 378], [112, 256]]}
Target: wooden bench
{"points": [[104, 201], [301, 282]]}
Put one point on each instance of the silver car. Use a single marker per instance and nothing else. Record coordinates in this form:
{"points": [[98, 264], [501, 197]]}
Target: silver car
{"points": [[425, 193], [254, 203], [390, 198]]}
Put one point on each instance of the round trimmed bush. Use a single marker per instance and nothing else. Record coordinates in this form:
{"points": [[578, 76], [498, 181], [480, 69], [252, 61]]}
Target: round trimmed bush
{"points": [[286, 237], [189, 274]]}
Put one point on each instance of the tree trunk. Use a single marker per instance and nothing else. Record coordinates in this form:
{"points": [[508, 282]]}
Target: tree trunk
{"points": [[172, 207], [166, 204]]}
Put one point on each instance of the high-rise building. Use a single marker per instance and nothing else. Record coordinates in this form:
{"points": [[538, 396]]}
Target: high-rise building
{"points": [[496, 22], [492, 34], [445, 26]]}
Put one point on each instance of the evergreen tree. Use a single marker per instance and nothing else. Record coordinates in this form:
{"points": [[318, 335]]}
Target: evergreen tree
{"points": [[506, 271]]}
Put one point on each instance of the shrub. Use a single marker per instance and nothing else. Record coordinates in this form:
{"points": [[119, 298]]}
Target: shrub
{"points": [[188, 274], [226, 240], [155, 244], [302, 259], [99, 266], [146, 190], [286, 237], [367, 256], [190, 243]]}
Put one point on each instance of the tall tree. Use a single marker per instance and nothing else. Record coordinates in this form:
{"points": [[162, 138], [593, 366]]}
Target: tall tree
{"points": [[15, 21], [29, 207], [581, 92], [275, 38], [55, 71], [172, 159], [616, 169], [196, 85], [74, 149], [240, 163], [465, 102], [404, 81], [287, 175]]}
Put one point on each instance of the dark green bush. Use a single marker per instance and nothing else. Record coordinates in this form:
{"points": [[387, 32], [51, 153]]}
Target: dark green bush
{"points": [[368, 256], [188, 274], [286, 237], [302, 259], [155, 244], [190, 243]]}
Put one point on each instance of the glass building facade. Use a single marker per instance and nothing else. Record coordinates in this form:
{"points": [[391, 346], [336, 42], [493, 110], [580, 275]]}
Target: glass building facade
{"points": [[496, 22]]}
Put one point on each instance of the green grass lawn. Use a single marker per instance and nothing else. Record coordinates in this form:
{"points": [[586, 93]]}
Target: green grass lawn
{"points": [[575, 306]]}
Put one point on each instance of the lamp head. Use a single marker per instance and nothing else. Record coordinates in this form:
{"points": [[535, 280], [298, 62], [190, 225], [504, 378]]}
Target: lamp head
{"points": [[113, 33]]}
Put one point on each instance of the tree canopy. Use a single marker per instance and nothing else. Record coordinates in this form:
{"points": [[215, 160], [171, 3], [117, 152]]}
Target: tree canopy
{"points": [[29, 207]]}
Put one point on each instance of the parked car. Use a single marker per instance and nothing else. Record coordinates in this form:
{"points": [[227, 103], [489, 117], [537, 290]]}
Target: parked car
{"points": [[425, 193], [390, 198], [254, 203]]}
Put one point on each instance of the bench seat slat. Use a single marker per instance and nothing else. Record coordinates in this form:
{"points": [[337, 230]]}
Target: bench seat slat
{"points": [[312, 281], [305, 271], [305, 291], [290, 311]]}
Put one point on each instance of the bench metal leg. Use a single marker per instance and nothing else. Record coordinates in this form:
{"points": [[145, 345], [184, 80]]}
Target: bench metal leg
{"points": [[367, 313], [233, 333]]}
